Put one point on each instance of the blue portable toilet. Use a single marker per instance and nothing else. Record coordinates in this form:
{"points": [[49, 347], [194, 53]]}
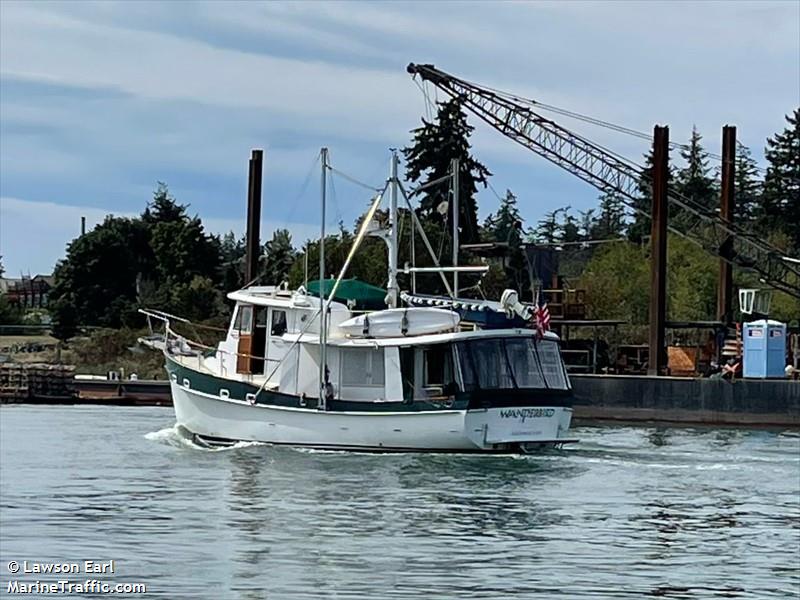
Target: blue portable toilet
{"points": [[764, 348]]}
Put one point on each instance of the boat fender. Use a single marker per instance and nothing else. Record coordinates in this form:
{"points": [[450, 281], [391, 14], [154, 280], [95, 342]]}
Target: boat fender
{"points": [[302, 400], [404, 323]]}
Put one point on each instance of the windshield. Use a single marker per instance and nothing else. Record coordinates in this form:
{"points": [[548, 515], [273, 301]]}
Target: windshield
{"points": [[509, 363]]}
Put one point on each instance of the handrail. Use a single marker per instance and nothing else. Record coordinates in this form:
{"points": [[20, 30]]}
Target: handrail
{"points": [[165, 317], [222, 350]]}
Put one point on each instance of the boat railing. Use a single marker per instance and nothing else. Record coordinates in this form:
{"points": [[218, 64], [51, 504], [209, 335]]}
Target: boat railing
{"points": [[185, 346]]}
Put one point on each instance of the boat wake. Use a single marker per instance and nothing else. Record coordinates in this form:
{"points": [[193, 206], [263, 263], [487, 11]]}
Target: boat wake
{"points": [[178, 437]]}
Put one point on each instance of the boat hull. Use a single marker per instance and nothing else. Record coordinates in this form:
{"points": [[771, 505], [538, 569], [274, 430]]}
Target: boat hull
{"points": [[515, 429]]}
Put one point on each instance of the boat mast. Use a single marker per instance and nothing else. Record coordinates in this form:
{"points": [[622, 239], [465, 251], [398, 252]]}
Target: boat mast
{"points": [[323, 329], [454, 167], [392, 292]]}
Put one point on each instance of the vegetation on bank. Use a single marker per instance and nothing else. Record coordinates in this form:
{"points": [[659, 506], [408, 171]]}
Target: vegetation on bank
{"points": [[165, 259]]}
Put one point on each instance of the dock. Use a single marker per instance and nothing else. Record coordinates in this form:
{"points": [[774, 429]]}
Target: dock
{"points": [[686, 400], [22, 383]]}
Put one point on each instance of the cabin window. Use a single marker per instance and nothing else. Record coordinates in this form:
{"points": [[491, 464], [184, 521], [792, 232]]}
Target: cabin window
{"points": [[362, 367], [553, 369], [521, 354], [490, 363], [261, 317], [278, 322], [244, 319], [495, 363]]}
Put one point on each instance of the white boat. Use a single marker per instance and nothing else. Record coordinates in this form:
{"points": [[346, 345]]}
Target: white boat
{"points": [[301, 370]]}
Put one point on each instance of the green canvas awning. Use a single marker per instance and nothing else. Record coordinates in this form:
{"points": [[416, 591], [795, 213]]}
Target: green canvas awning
{"points": [[365, 295]]}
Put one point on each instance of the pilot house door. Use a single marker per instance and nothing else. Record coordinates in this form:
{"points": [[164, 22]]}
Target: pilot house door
{"points": [[244, 321]]}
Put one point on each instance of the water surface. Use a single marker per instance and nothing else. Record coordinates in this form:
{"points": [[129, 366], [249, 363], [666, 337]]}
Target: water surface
{"points": [[627, 513]]}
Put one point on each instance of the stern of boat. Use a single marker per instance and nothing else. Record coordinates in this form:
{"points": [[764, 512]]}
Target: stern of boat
{"points": [[524, 428]]}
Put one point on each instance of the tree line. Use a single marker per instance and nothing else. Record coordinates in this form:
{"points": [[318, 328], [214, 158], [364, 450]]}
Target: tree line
{"points": [[164, 258]]}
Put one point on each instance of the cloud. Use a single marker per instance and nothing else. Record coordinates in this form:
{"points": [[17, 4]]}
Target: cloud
{"points": [[157, 66], [101, 100]]}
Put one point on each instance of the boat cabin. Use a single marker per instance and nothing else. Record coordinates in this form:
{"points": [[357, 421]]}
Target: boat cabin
{"points": [[393, 355]]}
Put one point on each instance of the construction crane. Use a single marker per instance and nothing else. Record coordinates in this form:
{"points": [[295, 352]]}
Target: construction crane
{"points": [[611, 173]]}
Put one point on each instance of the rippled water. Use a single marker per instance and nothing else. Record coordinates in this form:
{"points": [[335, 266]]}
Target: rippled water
{"points": [[627, 513]]}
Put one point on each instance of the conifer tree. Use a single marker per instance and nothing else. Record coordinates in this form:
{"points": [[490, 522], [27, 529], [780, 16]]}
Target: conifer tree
{"points": [[429, 157], [570, 230], [748, 210], [279, 255], [587, 224], [782, 181], [639, 227], [506, 226], [548, 228], [693, 180], [610, 223], [232, 254]]}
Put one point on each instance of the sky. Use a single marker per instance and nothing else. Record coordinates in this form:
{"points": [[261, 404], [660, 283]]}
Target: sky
{"points": [[100, 101]]}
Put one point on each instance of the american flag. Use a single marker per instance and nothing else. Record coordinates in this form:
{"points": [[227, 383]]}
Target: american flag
{"points": [[541, 314]]}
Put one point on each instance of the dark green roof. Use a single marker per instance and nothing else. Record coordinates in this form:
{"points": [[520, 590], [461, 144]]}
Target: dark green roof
{"points": [[366, 296]]}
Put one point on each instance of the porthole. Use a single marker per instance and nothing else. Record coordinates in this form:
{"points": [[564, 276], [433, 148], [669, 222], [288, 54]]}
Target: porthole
{"points": [[186, 383], [251, 398], [173, 377], [223, 393]]}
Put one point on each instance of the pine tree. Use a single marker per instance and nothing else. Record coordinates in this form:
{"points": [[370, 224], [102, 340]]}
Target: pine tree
{"points": [[232, 252], [610, 223], [570, 231], [506, 226], [693, 181], [748, 209], [548, 229], [428, 158], [639, 227], [782, 181], [163, 208], [279, 255], [587, 223]]}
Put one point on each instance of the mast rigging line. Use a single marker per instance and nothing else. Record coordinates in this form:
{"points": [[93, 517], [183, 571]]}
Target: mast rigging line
{"points": [[611, 173], [353, 180], [303, 189]]}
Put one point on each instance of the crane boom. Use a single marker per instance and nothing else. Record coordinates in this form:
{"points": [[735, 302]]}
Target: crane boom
{"points": [[516, 118]]}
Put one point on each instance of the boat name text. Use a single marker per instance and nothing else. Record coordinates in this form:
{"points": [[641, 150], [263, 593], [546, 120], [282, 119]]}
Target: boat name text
{"points": [[526, 413]]}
